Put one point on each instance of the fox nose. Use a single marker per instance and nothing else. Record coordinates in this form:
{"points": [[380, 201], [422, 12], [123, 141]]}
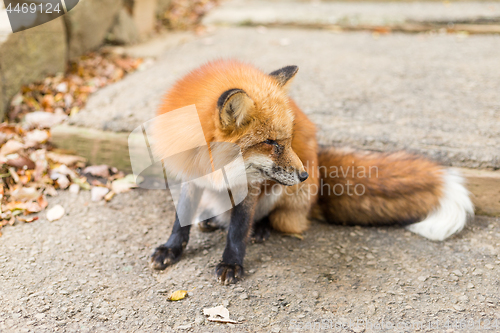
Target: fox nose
{"points": [[303, 176]]}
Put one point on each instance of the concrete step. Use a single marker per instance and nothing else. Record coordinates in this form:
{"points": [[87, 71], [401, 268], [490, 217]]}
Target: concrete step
{"points": [[485, 188], [474, 17], [104, 147]]}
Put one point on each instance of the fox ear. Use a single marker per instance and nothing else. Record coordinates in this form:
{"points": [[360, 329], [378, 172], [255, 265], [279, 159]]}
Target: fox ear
{"points": [[285, 74], [234, 106]]}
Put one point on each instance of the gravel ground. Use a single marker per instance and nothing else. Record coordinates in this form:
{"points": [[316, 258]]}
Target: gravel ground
{"points": [[434, 94], [89, 272]]}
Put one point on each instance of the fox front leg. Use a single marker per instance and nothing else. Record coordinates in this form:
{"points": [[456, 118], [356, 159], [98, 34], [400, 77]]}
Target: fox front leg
{"points": [[230, 269], [170, 252]]}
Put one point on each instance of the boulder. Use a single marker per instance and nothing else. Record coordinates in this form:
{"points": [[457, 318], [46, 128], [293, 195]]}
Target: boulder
{"points": [[29, 56], [88, 24], [144, 15], [135, 21], [124, 31]]}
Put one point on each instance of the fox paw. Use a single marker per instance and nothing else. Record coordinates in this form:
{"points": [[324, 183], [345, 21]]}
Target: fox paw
{"points": [[260, 233], [164, 257], [228, 273]]}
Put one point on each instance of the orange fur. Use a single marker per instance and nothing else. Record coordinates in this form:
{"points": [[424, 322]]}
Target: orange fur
{"points": [[395, 188]]}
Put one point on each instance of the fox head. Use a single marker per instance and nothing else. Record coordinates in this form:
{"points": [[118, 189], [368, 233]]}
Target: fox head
{"points": [[257, 117], [239, 104]]}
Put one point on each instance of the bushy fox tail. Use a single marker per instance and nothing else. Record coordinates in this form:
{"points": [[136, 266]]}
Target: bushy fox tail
{"points": [[367, 188]]}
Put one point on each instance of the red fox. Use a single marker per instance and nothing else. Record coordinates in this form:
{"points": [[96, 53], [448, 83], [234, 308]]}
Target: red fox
{"points": [[290, 178]]}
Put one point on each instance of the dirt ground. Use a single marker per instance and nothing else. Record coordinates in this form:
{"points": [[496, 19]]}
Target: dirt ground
{"points": [[89, 272]]}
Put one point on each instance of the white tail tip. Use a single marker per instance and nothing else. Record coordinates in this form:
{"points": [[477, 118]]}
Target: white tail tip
{"points": [[455, 208]]}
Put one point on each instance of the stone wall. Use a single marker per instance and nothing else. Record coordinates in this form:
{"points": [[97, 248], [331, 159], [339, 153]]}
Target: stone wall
{"points": [[31, 55]]}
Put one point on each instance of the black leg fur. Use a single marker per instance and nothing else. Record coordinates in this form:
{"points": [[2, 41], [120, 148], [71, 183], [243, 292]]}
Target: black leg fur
{"points": [[261, 230], [230, 269], [170, 252]]}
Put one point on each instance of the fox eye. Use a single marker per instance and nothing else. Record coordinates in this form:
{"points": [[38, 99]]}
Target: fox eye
{"points": [[271, 142]]}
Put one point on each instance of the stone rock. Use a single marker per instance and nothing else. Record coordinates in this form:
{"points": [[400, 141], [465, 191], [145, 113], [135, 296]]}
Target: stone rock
{"points": [[162, 6], [42, 119], [55, 213], [144, 15], [88, 24], [124, 30], [74, 188], [29, 56], [97, 193]]}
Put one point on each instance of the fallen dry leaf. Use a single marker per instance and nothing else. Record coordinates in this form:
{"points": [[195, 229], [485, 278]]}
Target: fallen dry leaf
{"points": [[33, 207], [17, 207], [25, 155], [97, 170], [298, 236], [219, 314], [42, 202], [182, 14], [382, 30], [28, 219], [55, 213], [124, 184], [109, 196], [65, 159], [10, 147], [178, 295], [41, 119], [50, 190], [25, 194], [63, 182], [82, 182], [64, 170], [19, 162], [9, 129], [35, 137]]}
